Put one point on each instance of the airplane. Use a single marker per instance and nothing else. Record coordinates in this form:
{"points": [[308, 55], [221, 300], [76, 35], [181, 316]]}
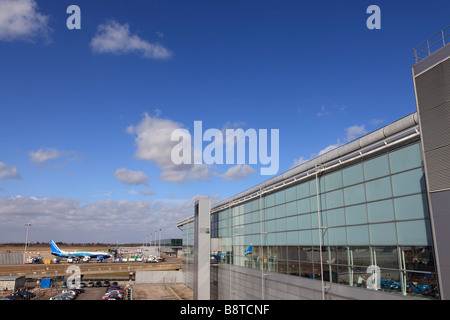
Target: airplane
{"points": [[86, 255]]}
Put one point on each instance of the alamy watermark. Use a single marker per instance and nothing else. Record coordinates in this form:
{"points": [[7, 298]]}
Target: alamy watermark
{"points": [[189, 150]]}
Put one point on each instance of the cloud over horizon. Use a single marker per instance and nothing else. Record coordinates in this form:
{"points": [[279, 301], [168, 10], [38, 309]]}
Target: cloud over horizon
{"points": [[71, 220]]}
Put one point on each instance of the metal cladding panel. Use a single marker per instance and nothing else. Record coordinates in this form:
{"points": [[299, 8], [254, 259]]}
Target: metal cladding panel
{"points": [[433, 100]]}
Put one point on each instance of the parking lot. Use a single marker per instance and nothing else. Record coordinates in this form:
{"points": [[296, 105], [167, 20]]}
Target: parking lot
{"points": [[139, 292]]}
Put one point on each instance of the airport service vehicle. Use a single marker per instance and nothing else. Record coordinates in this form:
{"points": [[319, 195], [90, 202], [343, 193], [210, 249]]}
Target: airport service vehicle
{"points": [[77, 255], [34, 260]]}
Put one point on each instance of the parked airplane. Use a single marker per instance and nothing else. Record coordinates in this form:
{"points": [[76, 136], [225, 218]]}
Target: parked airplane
{"points": [[86, 255]]}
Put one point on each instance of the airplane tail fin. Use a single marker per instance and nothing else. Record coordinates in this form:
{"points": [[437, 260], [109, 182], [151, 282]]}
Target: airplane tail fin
{"points": [[54, 247]]}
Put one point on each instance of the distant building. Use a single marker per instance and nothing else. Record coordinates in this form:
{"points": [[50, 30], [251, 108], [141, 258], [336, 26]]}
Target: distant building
{"points": [[12, 283]]}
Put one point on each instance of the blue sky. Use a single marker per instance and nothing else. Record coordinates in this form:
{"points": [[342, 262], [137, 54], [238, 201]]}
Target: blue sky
{"points": [[85, 114]]}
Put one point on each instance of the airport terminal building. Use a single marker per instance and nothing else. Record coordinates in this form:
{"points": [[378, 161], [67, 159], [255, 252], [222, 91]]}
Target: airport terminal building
{"points": [[368, 220]]}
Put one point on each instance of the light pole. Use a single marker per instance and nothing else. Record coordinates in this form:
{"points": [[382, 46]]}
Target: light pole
{"points": [[159, 242], [28, 225]]}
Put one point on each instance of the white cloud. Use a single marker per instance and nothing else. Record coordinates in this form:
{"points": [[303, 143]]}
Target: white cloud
{"points": [[238, 172], [376, 122], [323, 112], [298, 162], [43, 155], [8, 172], [131, 177], [116, 38], [20, 20], [330, 147], [153, 141], [355, 131]]}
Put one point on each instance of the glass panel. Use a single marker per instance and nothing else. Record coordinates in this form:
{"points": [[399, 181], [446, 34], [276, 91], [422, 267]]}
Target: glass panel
{"points": [[354, 194], [315, 219], [352, 175], [271, 239], [337, 236], [419, 258], [382, 234], [291, 223], [292, 252], [281, 211], [313, 202], [291, 208], [342, 255], [360, 256], [305, 237], [405, 158], [411, 207], [378, 189], [281, 224], [247, 207], [279, 197], [292, 238], [358, 235], [304, 221], [386, 257], [414, 232], [312, 186], [336, 217], [303, 190], [334, 199], [408, 182], [272, 226], [270, 213], [356, 214], [342, 275], [390, 280], [318, 236], [281, 238], [303, 206], [377, 167], [333, 181], [270, 200], [380, 211], [291, 194], [255, 205], [305, 254]]}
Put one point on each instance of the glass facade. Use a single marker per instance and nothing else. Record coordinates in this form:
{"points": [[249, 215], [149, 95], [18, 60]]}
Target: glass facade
{"points": [[188, 253], [365, 221]]}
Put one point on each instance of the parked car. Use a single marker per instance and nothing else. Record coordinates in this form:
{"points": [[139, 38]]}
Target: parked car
{"points": [[90, 284], [98, 284], [106, 283]]}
